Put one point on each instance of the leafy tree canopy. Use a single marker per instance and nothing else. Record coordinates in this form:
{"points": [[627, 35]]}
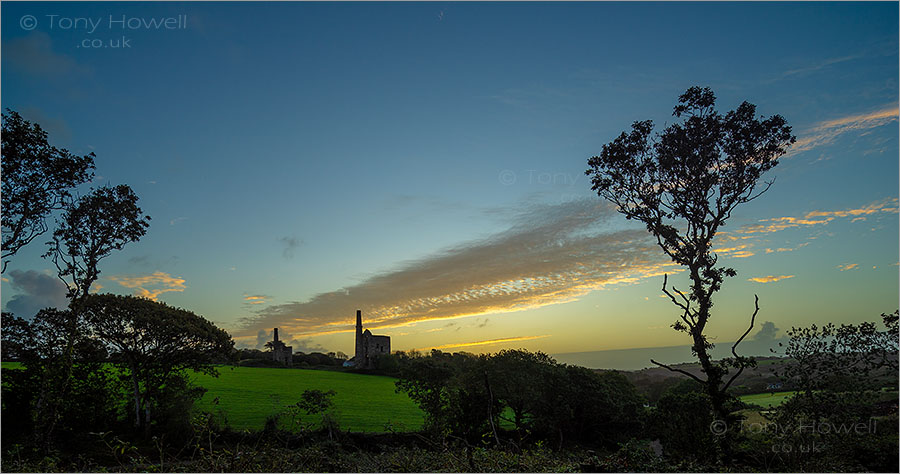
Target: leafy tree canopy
{"points": [[154, 342], [90, 229], [37, 178]]}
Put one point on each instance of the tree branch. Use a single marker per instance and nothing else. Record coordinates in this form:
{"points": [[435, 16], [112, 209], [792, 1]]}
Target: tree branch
{"points": [[679, 371], [734, 346], [671, 297]]}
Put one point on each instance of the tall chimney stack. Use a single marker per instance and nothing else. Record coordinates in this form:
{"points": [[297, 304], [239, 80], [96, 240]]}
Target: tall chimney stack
{"points": [[359, 351], [276, 334]]}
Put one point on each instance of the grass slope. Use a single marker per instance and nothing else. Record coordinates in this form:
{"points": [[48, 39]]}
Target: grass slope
{"points": [[247, 395], [768, 399]]}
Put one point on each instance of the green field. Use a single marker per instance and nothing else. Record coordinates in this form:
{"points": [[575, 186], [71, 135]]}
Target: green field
{"points": [[247, 395], [768, 399]]}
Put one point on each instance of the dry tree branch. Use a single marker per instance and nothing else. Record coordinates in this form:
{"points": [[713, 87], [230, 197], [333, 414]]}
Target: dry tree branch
{"points": [[734, 346], [679, 371], [686, 306]]}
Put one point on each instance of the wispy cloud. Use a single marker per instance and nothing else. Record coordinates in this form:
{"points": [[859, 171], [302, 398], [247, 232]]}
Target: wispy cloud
{"points": [[504, 340], [553, 254], [814, 218], [818, 66], [770, 278], [826, 132], [776, 224], [255, 299], [737, 251], [528, 96], [888, 205], [290, 244], [55, 126], [847, 266], [787, 249], [34, 55], [151, 286]]}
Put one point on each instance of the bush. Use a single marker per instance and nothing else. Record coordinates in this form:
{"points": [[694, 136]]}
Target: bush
{"points": [[682, 421]]}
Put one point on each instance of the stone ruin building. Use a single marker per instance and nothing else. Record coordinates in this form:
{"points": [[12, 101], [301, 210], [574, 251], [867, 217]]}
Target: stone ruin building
{"points": [[281, 353], [368, 346]]}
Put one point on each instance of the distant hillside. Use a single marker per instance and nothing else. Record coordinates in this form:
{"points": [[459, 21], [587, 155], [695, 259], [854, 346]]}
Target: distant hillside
{"points": [[636, 359], [653, 382]]}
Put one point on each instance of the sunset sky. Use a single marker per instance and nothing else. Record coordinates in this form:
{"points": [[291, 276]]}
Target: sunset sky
{"points": [[424, 162]]}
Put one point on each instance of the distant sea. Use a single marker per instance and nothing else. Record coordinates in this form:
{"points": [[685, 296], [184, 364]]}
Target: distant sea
{"points": [[636, 359]]}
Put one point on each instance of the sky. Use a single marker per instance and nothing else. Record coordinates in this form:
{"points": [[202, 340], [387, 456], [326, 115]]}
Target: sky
{"points": [[424, 163]]}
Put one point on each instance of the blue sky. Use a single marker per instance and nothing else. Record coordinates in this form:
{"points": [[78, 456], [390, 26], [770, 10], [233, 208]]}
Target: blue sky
{"points": [[424, 162]]}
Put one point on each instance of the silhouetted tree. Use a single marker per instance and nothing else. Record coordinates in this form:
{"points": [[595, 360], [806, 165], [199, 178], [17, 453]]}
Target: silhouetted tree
{"points": [[37, 178], [16, 336], [515, 377], [154, 342], [682, 421], [580, 405], [89, 230], [428, 382], [683, 184], [318, 402], [841, 358], [839, 372], [451, 390], [90, 401]]}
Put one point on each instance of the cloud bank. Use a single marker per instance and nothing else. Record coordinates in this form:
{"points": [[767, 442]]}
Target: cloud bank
{"points": [[553, 254], [37, 291], [767, 332]]}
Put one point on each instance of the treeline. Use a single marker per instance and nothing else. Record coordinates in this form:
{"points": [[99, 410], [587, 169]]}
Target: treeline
{"points": [[842, 418], [258, 358], [519, 397]]}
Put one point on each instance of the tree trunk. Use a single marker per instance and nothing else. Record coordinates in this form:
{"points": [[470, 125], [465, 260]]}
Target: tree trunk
{"points": [[54, 391], [147, 419], [137, 400], [713, 373], [487, 384]]}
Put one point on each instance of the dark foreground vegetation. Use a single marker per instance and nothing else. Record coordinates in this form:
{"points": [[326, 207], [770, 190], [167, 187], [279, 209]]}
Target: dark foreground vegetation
{"points": [[511, 411]]}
